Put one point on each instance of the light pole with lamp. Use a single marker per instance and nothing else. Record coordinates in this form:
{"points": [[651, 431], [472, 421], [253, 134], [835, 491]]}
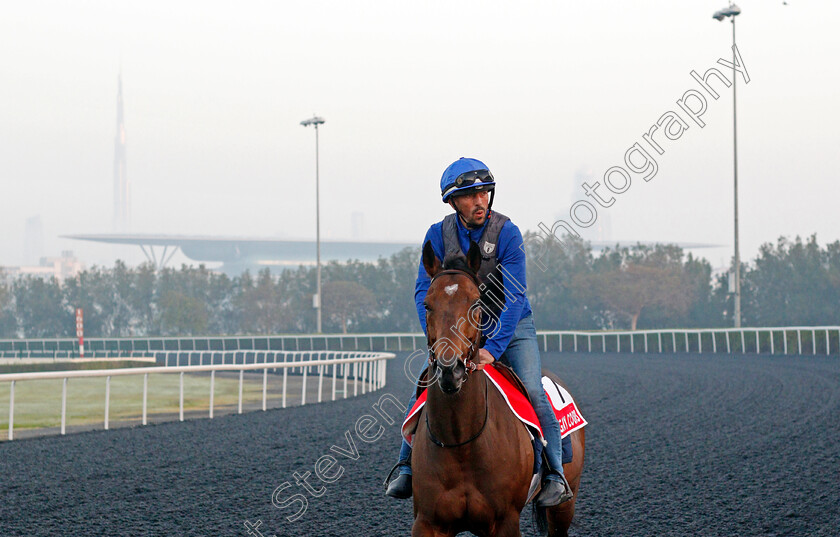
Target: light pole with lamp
{"points": [[733, 11], [315, 121]]}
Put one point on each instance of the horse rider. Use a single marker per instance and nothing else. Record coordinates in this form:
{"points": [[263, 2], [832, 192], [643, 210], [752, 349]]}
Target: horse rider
{"points": [[468, 187]]}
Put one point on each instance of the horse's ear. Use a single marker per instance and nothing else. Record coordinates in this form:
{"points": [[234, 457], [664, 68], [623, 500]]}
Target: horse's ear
{"points": [[430, 262], [474, 257]]}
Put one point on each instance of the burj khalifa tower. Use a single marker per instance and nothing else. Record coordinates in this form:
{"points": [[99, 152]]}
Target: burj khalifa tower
{"points": [[122, 216]]}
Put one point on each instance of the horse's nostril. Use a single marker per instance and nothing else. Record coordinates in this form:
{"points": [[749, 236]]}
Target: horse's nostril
{"points": [[450, 379], [450, 387]]}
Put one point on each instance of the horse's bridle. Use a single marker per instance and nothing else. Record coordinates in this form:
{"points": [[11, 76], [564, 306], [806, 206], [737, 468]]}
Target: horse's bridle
{"points": [[468, 364], [474, 345]]}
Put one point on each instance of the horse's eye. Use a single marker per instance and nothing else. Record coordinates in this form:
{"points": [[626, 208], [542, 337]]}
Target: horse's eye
{"points": [[427, 307]]}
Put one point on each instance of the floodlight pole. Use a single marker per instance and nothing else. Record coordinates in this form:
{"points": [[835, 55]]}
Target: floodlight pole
{"points": [[315, 121], [735, 175], [733, 11]]}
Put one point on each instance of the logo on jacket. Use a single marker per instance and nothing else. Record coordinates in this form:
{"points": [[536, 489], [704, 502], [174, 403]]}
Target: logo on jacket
{"points": [[489, 247]]}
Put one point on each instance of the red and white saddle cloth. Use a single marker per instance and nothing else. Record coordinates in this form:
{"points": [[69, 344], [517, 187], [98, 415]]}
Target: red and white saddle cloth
{"points": [[568, 416]]}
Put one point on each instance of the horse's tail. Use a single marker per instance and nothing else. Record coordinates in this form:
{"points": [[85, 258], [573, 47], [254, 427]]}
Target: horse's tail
{"points": [[540, 518]]}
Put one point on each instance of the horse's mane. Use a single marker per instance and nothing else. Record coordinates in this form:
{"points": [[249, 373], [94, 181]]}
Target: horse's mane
{"points": [[457, 262]]}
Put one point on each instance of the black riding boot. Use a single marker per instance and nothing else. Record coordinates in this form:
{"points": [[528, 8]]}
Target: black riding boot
{"points": [[554, 492], [400, 487]]}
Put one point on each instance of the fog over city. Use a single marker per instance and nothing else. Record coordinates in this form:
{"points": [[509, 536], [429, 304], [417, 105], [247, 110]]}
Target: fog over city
{"points": [[548, 94]]}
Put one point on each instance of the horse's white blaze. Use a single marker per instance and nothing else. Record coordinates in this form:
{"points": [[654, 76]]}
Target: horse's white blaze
{"points": [[450, 289]]}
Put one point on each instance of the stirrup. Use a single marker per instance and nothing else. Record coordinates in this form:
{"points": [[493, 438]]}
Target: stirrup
{"points": [[567, 494], [564, 495], [393, 469]]}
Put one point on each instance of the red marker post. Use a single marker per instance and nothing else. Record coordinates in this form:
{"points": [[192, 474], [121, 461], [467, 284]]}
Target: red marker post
{"points": [[80, 331]]}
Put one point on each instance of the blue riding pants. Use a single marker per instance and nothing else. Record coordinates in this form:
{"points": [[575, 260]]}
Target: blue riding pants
{"points": [[523, 355]]}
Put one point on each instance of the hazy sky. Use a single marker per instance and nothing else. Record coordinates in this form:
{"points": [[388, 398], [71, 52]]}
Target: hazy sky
{"points": [[541, 91]]}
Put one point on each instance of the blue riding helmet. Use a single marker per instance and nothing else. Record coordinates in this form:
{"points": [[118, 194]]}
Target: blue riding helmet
{"points": [[465, 175]]}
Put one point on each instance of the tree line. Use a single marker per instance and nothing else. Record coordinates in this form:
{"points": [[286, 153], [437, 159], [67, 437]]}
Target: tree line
{"points": [[791, 282]]}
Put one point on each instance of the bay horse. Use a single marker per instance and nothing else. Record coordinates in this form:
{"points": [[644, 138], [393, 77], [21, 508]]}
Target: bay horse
{"points": [[472, 459]]}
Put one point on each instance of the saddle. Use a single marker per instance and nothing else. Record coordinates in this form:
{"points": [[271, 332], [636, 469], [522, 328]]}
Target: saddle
{"points": [[564, 409], [512, 377]]}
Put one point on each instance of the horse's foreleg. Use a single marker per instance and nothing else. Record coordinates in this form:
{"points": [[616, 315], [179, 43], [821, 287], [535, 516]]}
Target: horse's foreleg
{"points": [[422, 528], [509, 526]]}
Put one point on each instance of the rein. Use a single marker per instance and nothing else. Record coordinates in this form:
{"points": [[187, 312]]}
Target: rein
{"points": [[470, 439]]}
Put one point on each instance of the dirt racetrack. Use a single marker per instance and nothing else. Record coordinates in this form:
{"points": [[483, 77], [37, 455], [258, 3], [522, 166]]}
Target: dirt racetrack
{"points": [[677, 445]]}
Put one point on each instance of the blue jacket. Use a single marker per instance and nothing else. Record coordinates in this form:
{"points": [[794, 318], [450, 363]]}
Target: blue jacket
{"points": [[512, 258]]}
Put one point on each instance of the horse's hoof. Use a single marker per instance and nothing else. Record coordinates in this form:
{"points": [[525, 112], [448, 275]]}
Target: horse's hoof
{"points": [[400, 487], [554, 492]]}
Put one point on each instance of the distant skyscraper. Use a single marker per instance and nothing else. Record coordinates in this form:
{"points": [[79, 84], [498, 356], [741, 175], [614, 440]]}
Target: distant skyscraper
{"points": [[602, 230], [121, 186], [33, 247]]}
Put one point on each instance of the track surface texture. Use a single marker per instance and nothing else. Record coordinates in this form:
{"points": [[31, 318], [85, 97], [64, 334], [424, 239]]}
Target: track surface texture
{"points": [[677, 445]]}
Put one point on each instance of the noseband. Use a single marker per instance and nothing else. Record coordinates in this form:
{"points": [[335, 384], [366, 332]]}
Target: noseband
{"points": [[468, 362], [473, 348]]}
